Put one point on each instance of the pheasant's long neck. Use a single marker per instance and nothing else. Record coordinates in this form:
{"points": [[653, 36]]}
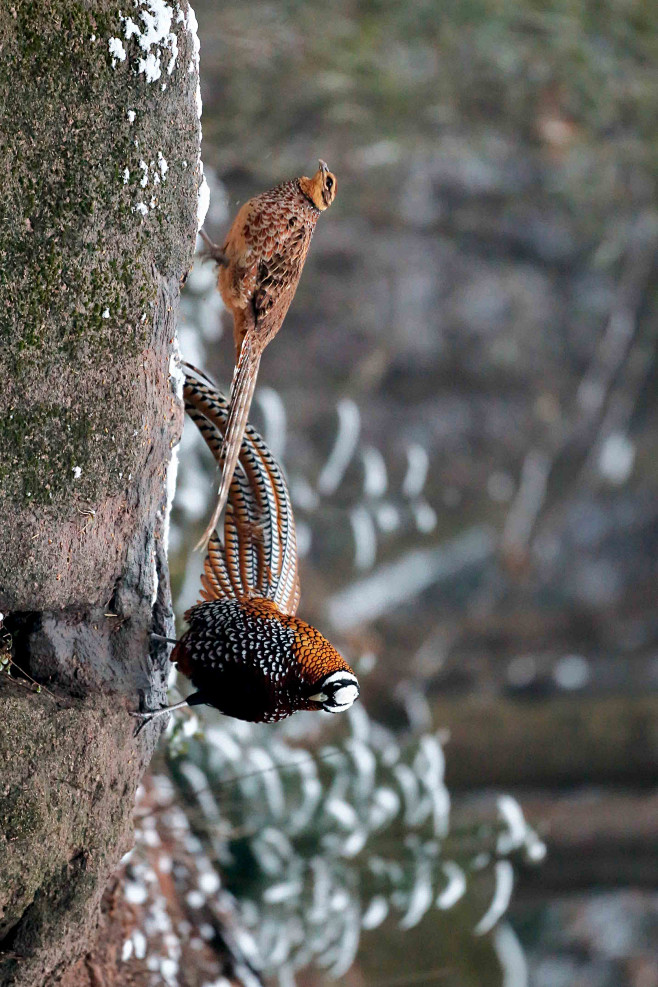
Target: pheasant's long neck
{"points": [[306, 188]]}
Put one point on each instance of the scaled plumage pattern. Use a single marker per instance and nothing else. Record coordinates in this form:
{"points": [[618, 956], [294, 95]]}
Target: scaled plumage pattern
{"points": [[245, 651], [260, 264]]}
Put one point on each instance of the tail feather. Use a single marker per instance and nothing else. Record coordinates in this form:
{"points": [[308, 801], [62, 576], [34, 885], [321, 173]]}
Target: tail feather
{"points": [[209, 412], [215, 579], [279, 578], [234, 557], [242, 390], [259, 554]]}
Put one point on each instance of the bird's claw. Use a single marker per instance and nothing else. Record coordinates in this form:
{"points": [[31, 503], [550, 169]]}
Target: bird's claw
{"points": [[212, 251], [139, 727], [146, 718]]}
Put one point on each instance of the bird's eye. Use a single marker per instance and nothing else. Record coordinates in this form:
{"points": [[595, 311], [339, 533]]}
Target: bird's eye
{"points": [[329, 182]]}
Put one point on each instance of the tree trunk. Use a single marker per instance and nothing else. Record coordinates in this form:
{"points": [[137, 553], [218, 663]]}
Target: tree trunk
{"points": [[100, 176]]}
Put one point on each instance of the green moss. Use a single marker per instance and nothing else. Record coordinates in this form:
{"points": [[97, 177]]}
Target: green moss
{"points": [[21, 814], [61, 831], [51, 229], [55, 266], [54, 433], [78, 267]]}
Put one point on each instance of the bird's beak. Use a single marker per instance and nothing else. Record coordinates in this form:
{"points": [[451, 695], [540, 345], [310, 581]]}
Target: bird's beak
{"points": [[319, 697], [323, 165]]}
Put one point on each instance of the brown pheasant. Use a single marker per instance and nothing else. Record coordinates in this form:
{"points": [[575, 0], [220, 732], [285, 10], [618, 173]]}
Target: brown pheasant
{"points": [[260, 264]]}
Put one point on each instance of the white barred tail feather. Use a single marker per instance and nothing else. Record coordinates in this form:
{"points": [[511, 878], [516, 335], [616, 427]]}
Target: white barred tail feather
{"points": [[258, 557], [242, 392]]}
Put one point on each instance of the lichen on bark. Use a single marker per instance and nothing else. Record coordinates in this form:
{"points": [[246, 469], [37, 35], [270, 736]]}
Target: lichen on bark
{"points": [[80, 266]]}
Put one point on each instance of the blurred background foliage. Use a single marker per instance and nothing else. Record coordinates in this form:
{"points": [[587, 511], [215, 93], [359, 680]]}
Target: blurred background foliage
{"points": [[464, 398]]}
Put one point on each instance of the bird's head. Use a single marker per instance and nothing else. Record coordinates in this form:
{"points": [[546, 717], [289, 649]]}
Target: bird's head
{"points": [[327, 681], [337, 692], [321, 189]]}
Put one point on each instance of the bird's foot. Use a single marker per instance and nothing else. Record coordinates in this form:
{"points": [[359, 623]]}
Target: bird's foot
{"points": [[152, 714], [212, 251], [161, 637], [146, 718]]}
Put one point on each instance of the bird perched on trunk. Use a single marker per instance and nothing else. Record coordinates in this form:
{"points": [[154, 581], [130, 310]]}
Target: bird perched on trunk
{"points": [[245, 651], [260, 264]]}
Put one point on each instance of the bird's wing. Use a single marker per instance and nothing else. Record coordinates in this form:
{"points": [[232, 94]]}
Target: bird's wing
{"points": [[265, 237], [259, 556], [278, 274]]}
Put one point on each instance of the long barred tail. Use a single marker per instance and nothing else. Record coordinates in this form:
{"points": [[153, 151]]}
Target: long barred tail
{"points": [[242, 392], [258, 556]]}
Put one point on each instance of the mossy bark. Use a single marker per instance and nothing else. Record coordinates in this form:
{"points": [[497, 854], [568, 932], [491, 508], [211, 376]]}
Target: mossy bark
{"points": [[99, 173]]}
